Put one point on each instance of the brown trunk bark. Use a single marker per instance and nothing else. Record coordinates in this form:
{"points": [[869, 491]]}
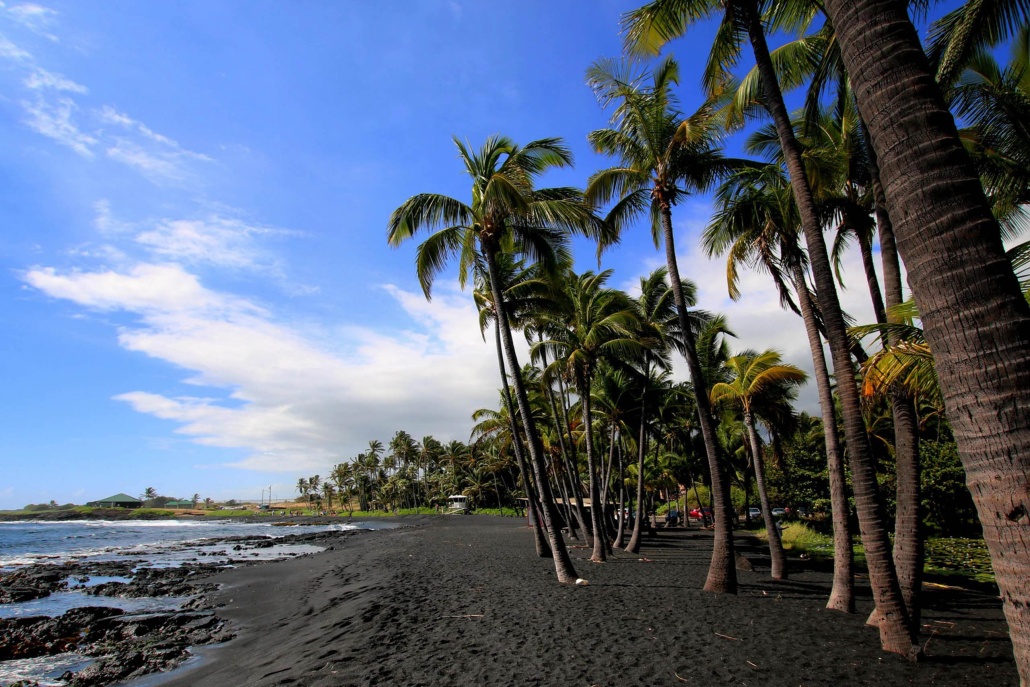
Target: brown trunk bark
{"points": [[865, 247], [599, 553], [572, 464], [776, 553], [563, 567], [974, 316], [543, 549], [560, 431], [894, 629], [722, 572], [842, 594], [638, 521], [620, 534], [909, 552]]}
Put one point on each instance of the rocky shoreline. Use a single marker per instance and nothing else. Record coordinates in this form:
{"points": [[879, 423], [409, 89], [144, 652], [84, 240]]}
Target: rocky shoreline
{"points": [[121, 644]]}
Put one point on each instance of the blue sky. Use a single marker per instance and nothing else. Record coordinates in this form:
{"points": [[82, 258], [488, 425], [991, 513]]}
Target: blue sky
{"points": [[195, 289]]}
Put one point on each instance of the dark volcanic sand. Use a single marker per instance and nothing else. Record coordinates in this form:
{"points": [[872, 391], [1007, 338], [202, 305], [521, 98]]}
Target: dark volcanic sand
{"points": [[463, 601]]}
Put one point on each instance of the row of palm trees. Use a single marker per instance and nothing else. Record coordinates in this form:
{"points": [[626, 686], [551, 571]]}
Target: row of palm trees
{"points": [[883, 158]]}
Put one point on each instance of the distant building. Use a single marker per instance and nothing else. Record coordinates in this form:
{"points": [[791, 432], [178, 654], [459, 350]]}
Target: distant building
{"points": [[178, 504], [116, 501]]}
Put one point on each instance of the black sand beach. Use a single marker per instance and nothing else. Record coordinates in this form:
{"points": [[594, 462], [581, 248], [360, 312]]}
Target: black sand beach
{"points": [[463, 601]]}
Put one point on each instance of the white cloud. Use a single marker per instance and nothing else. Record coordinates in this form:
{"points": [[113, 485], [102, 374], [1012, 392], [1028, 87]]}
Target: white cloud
{"points": [[215, 240], [296, 401], [10, 51], [54, 120], [34, 17], [145, 289], [41, 79]]}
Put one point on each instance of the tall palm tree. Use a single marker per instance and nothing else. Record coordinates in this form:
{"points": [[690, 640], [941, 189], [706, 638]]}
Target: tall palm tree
{"points": [[649, 28], [506, 214], [662, 158], [526, 290], [756, 224], [597, 324], [753, 375], [975, 317]]}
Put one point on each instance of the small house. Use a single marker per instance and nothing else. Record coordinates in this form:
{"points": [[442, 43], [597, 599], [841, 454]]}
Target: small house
{"points": [[116, 501], [178, 504]]}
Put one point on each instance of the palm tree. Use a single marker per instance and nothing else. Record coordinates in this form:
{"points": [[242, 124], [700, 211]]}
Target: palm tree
{"points": [[303, 487], [650, 27], [658, 325], [525, 291], [149, 493], [974, 315], [753, 375], [996, 102], [663, 157], [506, 215], [756, 224], [596, 324]]}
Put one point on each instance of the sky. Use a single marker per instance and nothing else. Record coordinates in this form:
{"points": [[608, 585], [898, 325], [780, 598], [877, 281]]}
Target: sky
{"points": [[196, 293]]}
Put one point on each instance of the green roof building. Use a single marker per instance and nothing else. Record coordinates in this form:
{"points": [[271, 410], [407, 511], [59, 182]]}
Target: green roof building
{"points": [[116, 501], [178, 504]]}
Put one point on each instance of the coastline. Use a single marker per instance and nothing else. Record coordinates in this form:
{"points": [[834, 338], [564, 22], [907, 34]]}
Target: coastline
{"points": [[463, 601]]}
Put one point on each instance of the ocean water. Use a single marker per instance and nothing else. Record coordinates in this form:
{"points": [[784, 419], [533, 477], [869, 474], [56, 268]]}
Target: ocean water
{"points": [[152, 543], [28, 542]]}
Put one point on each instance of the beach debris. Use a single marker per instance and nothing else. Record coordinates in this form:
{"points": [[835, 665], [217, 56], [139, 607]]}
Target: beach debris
{"points": [[582, 583], [751, 664], [645, 559], [681, 679], [736, 639]]}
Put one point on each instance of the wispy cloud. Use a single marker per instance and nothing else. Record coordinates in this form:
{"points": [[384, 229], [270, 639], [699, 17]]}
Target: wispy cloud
{"points": [[42, 79], [10, 51], [36, 18], [53, 119], [155, 156], [215, 240]]}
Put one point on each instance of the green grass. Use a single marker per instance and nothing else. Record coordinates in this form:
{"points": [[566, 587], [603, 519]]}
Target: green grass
{"points": [[952, 558]]}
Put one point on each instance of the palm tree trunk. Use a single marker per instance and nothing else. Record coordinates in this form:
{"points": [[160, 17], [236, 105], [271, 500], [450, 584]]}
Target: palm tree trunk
{"points": [[895, 635], [620, 533], [722, 572], [563, 567], [842, 594], [909, 554], [599, 554], [572, 463], [776, 554], [638, 521], [543, 550], [869, 267], [560, 431]]}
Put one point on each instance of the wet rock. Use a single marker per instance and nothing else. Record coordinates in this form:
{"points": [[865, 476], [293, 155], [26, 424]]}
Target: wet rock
{"points": [[34, 582]]}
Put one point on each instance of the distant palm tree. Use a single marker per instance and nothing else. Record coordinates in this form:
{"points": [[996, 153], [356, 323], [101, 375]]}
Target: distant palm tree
{"points": [[663, 157], [506, 215], [754, 376], [597, 323], [149, 493]]}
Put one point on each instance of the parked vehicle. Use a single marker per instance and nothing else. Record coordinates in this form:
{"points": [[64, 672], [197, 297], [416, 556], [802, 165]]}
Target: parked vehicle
{"points": [[779, 512], [755, 513], [699, 513]]}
